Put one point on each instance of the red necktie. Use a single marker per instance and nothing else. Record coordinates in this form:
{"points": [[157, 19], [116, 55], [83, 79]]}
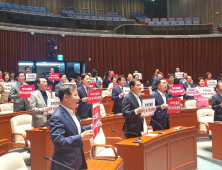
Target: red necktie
{"points": [[87, 89]]}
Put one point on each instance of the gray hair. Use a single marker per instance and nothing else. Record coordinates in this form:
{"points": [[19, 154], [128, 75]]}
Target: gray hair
{"points": [[66, 90]]}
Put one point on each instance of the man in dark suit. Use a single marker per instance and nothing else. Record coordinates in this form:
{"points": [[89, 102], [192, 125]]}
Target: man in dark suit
{"points": [[217, 103], [84, 109], [63, 79], [161, 100], [183, 80], [27, 71], [158, 75], [170, 79], [132, 109], [118, 95], [51, 82], [154, 76], [186, 85], [67, 132], [128, 79]]}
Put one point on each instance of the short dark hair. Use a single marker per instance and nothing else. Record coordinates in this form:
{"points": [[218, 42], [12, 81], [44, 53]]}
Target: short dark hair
{"points": [[11, 72], [38, 79], [184, 73], [133, 82], [169, 75], [83, 75], [66, 90], [119, 78], [158, 81], [113, 78], [4, 74], [60, 76], [27, 67], [17, 74], [198, 80]]}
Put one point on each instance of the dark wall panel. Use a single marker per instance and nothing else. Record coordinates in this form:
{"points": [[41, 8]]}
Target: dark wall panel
{"points": [[196, 56]]}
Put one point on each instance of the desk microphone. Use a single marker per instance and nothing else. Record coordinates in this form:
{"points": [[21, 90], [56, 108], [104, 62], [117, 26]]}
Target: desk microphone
{"points": [[157, 124], [47, 158], [136, 141]]}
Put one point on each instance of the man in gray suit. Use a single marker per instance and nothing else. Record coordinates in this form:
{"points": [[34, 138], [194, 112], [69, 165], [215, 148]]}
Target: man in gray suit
{"points": [[38, 103], [20, 104], [63, 79]]}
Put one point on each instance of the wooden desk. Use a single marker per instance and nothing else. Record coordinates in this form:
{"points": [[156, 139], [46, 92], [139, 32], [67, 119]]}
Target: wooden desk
{"points": [[176, 149], [216, 129], [105, 165], [5, 125], [3, 147]]}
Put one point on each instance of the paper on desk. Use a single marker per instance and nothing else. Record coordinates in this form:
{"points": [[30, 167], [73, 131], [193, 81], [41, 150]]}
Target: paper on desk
{"points": [[151, 134]]}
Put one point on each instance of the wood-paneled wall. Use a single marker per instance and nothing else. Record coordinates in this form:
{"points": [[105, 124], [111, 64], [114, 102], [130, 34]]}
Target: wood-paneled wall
{"points": [[196, 56], [206, 10], [54, 6]]}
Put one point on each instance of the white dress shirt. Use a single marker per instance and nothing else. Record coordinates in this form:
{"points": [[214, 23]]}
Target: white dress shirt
{"points": [[139, 101], [121, 89], [85, 88], [72, 114], [110, 86], [188, 85], [163, 95]]}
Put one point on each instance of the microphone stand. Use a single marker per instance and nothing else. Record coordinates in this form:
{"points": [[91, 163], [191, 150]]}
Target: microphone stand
{"points": [[136, 141]]}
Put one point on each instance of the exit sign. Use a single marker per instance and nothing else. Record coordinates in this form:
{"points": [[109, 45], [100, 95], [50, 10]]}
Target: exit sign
{"points": [[60, 57]]}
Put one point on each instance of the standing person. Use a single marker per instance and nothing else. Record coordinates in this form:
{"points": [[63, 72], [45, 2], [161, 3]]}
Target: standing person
{"points": [[208, 77], [20, 104], [84, 109], [158, 75], [161, 99], [217, 103], [118, 95], [176, 80], [51, 82], [67, 133], [12, 76], [27, 71], [170, 82], [107, 80], [219, 77], [38, 103], [110, 87], [183, 80], [201, 101], [63, 80], [4, 95], [154, 76], [186, 85], [128, 79], [99, 81], [132, 109]]}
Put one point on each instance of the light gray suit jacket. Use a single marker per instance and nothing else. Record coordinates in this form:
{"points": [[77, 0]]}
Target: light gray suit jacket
{"points": [[37, 103], [57, 87], [20, 104]]}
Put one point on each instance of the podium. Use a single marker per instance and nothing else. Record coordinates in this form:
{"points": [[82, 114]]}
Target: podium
{"points": [[41, 145], [175, 149], [216, 129]]}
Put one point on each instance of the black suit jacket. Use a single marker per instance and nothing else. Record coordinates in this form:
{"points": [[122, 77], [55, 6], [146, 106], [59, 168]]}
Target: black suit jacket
{"points": [[117, 107], [216, 105], [160, 116], [84, 109], [185, 86], [133, 123]]}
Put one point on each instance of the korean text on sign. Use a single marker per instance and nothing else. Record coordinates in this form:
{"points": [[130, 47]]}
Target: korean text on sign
{"points": [[149, 107], [26, 90], [174, 105], [177, 89], [94, 96], [207, 91], [53, 104], [54, 76], [31, 76], [96, 120]]}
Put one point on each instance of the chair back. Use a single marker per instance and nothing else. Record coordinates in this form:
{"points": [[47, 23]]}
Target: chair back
{"points": [[12, 161], [205, 115], [190, 103], [20, 124], [6, 107]]}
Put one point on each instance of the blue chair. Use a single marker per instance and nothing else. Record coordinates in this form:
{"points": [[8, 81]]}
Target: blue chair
{"points": [[12, 10], [138, 17], [81, 14], [3, 8], [100, 15], [180, 23], [75, 14], [15, 5], [163, 19], [109, 18], [17, 9], [44, 11], [115, 14], [41, 13], [196, 22], [118, 16], [151, 23], [123, 19], [101, 18], [155, 19], [70, 12], [109, 13], [78, 16], [22, 11], [36, 8], [146, 20], [171, 19], [166, 23], [9, 7], [22, 6], [196, 19], [158, 23], [116, 19], [32, 12], [8, 4], [29, 7], [138, 13], [173, 23], [188, 23], [2, 4], [94, 17], [64, 11], [42, 8], [88, 15], [70, 15], [143, 16], [179, 19], [187, 19], [50, 14]]}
